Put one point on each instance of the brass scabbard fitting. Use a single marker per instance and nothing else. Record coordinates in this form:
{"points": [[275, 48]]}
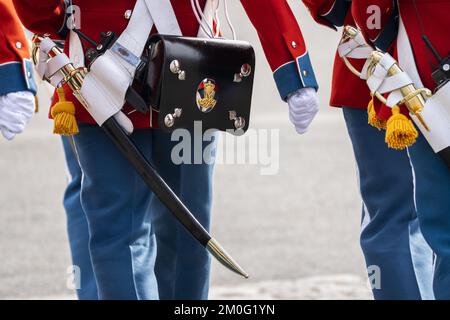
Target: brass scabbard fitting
{"points": [[350, 33], [413, 98]]}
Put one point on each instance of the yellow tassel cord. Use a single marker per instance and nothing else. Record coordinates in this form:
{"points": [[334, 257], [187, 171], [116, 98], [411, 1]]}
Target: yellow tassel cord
{"points": [[400, 131], [63, 114], [374, 121]]}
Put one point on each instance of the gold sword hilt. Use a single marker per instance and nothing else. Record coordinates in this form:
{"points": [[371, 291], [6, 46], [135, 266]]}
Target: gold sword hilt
{"points": [[73, 77], [413, 98], [350, 33]]}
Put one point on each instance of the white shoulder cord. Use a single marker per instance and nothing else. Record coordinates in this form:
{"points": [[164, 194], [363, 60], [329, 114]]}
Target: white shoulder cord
{"points": [[230, 24], [202, 19]]}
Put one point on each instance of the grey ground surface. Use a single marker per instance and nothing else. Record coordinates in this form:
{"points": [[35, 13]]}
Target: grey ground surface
{"points": [[296, 233]]}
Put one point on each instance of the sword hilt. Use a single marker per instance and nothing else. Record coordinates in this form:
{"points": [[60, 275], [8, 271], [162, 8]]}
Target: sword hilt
{"points": [[348, 34], [413, 98]]}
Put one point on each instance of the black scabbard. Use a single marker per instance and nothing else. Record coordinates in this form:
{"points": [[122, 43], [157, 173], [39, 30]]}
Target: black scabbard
{"points": [[154, 181]]}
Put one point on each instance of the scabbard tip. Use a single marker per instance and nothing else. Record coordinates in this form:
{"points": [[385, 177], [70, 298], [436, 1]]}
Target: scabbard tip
{"points": [[223, 257]]}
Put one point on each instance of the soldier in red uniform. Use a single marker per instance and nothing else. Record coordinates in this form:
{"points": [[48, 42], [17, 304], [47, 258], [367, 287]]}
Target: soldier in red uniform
{"points": [[138, 250], [419, 19], [387, 239], [17, 86]]}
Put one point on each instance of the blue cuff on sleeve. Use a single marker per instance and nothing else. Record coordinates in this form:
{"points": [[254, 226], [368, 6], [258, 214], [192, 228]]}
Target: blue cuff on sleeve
{"points": [[29, 76], [295, 75], [13, 78]]}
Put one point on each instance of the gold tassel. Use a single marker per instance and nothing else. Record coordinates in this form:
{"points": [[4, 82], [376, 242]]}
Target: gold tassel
{"points": [[63, 114], [374, 121], [400, 131]]}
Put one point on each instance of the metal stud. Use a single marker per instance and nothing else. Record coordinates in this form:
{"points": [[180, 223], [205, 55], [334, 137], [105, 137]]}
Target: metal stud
{"points": [[128, 14], [246, 70], [175, 68], [169, 120], [294, 44], [239, 122], [19, 45]]}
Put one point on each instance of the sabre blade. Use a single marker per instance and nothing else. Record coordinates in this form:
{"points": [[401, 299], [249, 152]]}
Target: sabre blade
{"points": [[165, 194], [224, 258]]}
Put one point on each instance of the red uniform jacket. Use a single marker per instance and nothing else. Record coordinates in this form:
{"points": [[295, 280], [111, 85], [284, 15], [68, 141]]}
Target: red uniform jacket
{"points": [[347, 90], [278, 30], [430, 18], [16, 71]]}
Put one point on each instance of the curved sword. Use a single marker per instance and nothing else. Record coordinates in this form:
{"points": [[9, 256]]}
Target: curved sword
{"points": [[74, 78]]}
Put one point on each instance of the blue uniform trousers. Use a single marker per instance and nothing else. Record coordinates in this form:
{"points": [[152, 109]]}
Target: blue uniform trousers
{"points": [[432, 196], [77, 226], [137, 249], [398, 259]]}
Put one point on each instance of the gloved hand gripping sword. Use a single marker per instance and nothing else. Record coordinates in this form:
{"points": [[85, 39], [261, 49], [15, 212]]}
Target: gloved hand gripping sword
{"points": [[62, 71]]}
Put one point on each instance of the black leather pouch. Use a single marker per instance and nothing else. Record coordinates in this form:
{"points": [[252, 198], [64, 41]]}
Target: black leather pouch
{"points": [[190, 80]]}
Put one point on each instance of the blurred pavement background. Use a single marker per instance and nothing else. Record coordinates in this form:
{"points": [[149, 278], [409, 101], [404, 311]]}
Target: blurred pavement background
{"points": [[296, 232]]}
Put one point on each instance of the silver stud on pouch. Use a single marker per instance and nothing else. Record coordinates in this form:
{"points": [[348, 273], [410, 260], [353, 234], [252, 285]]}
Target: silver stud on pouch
{"points": [[175, 68], [246, 70], [239, 122], [169, 120]]}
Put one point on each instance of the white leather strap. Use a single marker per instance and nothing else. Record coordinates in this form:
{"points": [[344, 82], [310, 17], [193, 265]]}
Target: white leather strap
{"points": [[164, 17], [105, 86], [436, 112], [395, 82], [53, 66], [41, 66], [44, 48], [437, 116], [134, 37], [394, 98], [355, 48], [364, 70], [76, 52], [48, 68], [380, 73]]}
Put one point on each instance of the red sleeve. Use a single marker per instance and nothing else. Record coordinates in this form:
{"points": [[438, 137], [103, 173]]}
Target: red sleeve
{"points": [[11, 34], [283, 44], [42, 16], [15, 66]]}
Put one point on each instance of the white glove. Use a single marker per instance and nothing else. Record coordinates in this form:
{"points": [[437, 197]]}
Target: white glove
{"points": [[303, 107], [16, 110]]}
